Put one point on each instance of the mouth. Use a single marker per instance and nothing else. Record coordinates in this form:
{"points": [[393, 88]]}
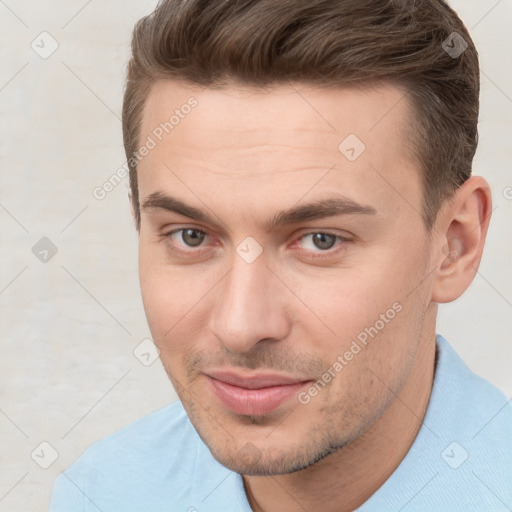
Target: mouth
{"points": [[256, 394]]}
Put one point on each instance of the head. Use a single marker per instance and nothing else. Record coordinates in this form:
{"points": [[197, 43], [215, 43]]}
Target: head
{"points": [[299, 173]]}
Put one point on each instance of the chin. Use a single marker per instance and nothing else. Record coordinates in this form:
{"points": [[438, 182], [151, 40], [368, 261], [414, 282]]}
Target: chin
{"points": [[253, 461]]}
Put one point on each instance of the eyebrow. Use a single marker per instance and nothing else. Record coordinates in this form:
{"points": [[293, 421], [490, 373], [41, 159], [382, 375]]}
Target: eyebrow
{"points": [[319, 209]]}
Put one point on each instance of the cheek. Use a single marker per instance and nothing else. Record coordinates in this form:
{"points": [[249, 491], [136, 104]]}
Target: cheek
{"points": [[342, 306], [370, 321], [175, 303]]}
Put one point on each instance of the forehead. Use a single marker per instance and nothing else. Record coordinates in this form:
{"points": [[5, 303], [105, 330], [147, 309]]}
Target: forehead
{"points": [[306, 108], [282, 139]]}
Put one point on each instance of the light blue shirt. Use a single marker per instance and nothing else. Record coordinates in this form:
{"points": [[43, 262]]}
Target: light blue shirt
{"points": [[461, 460]]}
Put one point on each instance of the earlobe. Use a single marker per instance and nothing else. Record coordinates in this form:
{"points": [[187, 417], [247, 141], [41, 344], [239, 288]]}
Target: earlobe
{"points": [[462, 226]]}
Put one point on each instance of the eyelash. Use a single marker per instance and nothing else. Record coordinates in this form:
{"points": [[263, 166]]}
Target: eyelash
{"points": [[314, 254]]}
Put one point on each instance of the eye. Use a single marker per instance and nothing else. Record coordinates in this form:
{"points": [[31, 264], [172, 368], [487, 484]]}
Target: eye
{"points": [[322, 242], [189, 237], [318, 244]]}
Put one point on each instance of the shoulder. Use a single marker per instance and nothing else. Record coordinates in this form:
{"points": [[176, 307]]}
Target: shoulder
{"points": [[150, 462], [156, 438], [461, 458], [471, 436], [471, 397], [168, 426]]}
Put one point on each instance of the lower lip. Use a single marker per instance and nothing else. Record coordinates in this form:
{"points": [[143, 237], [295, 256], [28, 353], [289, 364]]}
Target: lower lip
{"points": [[254, 402]]}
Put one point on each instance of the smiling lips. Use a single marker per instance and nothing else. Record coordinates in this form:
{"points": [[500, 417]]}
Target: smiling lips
{"points": [[255, 395]]}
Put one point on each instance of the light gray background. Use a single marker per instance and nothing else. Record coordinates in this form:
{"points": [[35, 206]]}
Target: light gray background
{"points": [[69, 326]]}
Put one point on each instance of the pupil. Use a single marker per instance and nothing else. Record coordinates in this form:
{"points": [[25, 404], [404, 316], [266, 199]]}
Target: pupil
{"points": [[321, 238], [194, 238]]}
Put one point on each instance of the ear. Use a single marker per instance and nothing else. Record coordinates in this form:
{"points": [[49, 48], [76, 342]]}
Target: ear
{"points": [[462, 226]]}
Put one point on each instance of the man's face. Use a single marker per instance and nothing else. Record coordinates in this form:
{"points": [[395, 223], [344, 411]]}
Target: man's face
{"points": [[251, 318]]}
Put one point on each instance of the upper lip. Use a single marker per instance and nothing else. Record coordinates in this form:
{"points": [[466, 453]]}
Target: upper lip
{"points": [[253, 381]]}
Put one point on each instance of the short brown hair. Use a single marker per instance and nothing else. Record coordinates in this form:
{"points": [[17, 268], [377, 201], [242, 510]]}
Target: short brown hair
{"points": [[325, 43]]}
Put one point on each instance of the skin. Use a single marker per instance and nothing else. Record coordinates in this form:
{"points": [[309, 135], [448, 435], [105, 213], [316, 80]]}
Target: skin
{"points": [[242, 155]]}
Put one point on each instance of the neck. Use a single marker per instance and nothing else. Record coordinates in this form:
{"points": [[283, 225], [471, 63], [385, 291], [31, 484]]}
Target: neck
{"points": [[346, 479]]}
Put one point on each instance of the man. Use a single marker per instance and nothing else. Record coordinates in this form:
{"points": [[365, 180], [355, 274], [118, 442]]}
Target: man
{"points": [[301, 183]]}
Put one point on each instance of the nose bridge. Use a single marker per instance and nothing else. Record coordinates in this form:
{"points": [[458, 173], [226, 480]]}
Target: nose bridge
{"points": [[247, 306]]}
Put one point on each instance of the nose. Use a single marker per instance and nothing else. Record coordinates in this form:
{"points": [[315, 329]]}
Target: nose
{"points": [[249, 306]]}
